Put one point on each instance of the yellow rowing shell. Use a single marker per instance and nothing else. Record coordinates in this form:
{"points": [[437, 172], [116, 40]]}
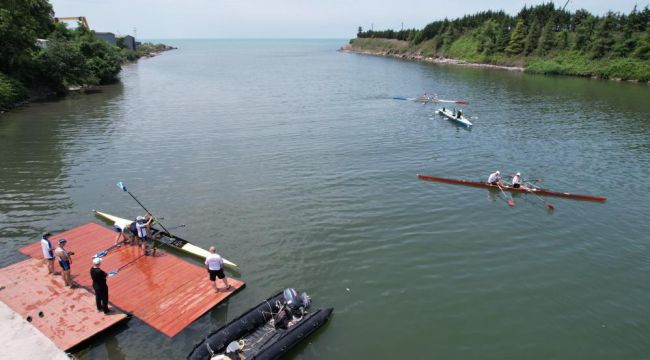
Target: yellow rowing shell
{"points": [[176, 242]]}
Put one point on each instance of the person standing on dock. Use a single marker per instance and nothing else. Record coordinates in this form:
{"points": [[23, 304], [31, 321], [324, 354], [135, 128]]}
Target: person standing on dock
{"points": [[143, 225], [48, 254], [214, 264], [99, 285], [64, 261]]}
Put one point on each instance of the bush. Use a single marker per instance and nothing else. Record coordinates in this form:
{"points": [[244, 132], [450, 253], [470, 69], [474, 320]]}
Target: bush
{"points": [[11, 91]]}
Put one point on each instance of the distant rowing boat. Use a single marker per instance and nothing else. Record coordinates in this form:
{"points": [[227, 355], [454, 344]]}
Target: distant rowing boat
{"points": [[543, 192], [459, 119], [168, 239], [430, 99]]}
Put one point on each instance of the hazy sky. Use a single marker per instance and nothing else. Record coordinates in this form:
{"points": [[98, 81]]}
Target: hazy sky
{"points": [[287, 18]]}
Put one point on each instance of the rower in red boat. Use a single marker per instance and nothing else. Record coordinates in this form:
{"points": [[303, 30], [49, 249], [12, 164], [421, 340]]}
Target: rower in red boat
{"points": [[495, 178], [516, 181]]}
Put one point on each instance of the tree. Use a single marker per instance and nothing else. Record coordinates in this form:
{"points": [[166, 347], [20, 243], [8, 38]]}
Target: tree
{"points": [[503, 37], [628, 41], [21, 23], [547, 38], [603, 38], [488, 37], [517, 39], [584, 30], [62, 63], [532, 38], [643, 48]]}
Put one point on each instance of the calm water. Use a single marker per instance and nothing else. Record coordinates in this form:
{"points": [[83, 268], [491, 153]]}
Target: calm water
{"points": [[294, 160]]}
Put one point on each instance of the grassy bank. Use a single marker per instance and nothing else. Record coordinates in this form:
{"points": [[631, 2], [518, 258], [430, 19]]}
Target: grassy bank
{"points": [[466, 48]]}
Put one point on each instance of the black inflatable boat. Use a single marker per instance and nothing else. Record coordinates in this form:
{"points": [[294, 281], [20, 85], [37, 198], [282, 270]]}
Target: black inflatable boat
{"points": [[265, 332]]}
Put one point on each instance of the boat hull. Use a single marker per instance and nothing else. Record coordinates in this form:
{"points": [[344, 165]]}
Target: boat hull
{"points": [[542, 192], [254, 319], [449, 115], [170, 240]]}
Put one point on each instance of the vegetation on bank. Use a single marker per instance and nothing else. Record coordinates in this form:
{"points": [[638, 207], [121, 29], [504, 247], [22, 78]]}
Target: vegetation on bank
{"points": [[34, 68], [542, 39]]}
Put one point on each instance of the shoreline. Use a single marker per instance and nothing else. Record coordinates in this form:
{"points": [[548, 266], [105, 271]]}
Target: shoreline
{"points": [[430, 60], [24, 341]]}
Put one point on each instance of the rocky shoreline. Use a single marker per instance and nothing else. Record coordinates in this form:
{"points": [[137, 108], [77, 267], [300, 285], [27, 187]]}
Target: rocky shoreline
{"points": [[433, 60]]}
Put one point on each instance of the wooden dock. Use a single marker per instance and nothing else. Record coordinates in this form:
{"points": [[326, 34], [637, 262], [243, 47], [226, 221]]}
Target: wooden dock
{"points": [[66, 316], [164, 291]]}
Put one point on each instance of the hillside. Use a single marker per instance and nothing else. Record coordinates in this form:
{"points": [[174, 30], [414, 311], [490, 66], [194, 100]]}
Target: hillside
{"points": [[540, 39]]}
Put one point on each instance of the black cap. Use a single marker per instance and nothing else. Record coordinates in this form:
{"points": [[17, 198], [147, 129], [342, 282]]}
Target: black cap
{"points": [[46, 235]]}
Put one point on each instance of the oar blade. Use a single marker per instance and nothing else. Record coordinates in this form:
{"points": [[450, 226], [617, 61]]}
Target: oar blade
{"points": [[121, 186], [112, 273], [511, 202]]}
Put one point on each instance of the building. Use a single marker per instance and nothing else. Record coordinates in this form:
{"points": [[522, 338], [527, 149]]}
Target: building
{"points": [[107, 36], [129, 42]]}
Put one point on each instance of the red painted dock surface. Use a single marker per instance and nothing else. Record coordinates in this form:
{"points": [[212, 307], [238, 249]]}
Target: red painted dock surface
{"points": [[164, 291], [69, 316]]}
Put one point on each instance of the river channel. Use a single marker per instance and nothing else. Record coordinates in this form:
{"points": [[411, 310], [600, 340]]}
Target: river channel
{"points": [[296, 161]]}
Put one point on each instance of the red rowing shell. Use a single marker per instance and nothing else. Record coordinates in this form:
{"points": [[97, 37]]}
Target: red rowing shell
{"points": [[545, 192]]}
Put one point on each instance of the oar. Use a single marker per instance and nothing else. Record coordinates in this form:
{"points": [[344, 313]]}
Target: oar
{"points": [[547, 204], [510, 201], [123, 187], [105, 252], [114, 272]]}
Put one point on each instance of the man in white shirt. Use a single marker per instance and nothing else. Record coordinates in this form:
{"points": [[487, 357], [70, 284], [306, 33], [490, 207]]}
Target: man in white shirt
{"points": [[516, 181], [495, 178], [214, 264], [48, 253]]}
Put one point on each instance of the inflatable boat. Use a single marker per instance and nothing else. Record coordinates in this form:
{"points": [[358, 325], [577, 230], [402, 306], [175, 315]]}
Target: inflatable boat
{"points": [[267, 331]]}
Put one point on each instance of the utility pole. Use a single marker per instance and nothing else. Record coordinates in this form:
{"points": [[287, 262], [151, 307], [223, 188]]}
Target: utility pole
{"points": [[135, 33], [565, 4], [402, 26]]}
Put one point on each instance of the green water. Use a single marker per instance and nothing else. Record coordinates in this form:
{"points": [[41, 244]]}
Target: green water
{"points": [[297, 163]]}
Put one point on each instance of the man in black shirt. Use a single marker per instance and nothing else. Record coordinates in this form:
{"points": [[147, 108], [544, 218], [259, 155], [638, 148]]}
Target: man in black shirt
{"points": [[99, 285]]}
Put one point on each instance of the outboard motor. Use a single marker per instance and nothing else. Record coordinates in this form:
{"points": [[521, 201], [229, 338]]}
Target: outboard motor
{"points": [[296, 304]]}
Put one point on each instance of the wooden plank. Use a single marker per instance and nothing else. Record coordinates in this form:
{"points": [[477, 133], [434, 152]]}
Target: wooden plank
{"points": [[66, 316], [164, 291]]}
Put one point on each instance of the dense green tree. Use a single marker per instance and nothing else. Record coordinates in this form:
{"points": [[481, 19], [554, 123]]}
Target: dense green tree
{"points": [[62, 63], [626, 45], [517, 39], [503, 37], [547, 38], [584, 30], [643, 48], [603, 37], [21, 23], [530, 44], [562, 40], [487, 37]]}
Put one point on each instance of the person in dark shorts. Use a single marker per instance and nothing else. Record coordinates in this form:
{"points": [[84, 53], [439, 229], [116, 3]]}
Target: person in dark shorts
{"points": [[65, 261], [143, 226], [214, 264], [99, 285]]}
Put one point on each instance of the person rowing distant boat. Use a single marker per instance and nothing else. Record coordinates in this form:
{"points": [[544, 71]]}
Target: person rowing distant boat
{"points": [[495, 178], [516, 181]]}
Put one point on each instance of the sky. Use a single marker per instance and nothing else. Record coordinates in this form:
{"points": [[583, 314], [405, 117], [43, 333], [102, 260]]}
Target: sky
{"points": [[174, 19]]}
